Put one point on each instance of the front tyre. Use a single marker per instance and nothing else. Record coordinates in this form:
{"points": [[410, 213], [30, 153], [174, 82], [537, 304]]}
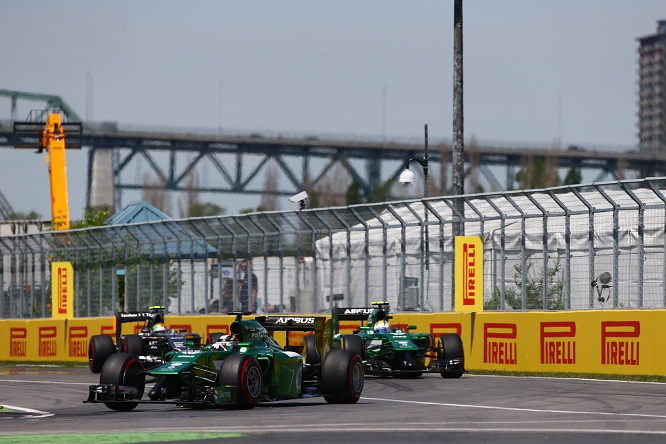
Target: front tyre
{"points": [[452, 350], [100, 348], [342, 377], [244, 373], [126, 370]]}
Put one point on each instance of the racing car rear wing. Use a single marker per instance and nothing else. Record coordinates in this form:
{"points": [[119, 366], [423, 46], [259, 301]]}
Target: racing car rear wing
{"points": [[354, 313], [155, 316], [288, 324]]}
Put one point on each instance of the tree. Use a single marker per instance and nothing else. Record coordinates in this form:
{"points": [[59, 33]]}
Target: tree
{"points": [[93, 217], [533, 290], [573, 177], [154, 192], [382, 191], [537, 173], [354, 195], [20, 215], [332, 188], [268, 201], [204, 209]]}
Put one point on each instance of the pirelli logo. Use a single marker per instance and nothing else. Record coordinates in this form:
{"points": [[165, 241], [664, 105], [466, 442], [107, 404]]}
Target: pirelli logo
{"points": [[62, 290], [500, 343], [469, 274], [18, 342], [48, 343], [620, 342], [78, 341], [558, 343]]}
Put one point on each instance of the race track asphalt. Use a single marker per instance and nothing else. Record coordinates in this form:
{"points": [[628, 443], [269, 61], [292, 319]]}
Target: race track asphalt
{"points": [[45, 404]]}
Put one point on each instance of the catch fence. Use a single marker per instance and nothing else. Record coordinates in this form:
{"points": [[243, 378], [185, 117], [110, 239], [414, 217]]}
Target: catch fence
{"points": [[542, 251]]}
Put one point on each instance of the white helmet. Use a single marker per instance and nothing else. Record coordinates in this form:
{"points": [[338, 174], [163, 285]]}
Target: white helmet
{"points": [[226, 342], [159, 328], [382, 327]]}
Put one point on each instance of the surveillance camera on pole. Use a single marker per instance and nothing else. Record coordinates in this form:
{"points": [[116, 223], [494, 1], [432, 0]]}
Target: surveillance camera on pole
{"points": [[406, 178], [301, 198]]}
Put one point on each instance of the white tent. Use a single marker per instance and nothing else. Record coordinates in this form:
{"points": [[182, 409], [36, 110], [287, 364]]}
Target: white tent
{"points": [[378, 262]]}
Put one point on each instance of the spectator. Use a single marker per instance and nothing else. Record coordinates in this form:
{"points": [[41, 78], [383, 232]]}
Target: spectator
{"points": [[247, 295], [227, 297], [227, 300]]}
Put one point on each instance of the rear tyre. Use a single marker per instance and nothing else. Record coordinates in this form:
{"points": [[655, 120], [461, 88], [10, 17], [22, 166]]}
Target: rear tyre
{"points": [[342, 377], [244, 373], [452, 348], [354, 343], [310, 351], [100, 348], [132, 345], [127, 370]]}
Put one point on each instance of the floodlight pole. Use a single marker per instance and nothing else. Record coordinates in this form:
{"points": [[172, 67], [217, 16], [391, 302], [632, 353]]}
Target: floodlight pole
{"points": [[458, 135], [424, 163]]}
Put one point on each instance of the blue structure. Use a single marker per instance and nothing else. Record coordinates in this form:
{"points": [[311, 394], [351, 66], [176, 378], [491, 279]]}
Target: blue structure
{"points": [[157, 234]]}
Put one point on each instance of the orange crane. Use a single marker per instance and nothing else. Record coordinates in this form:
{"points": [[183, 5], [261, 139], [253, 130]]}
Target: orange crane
{"points": [[54, 136]]}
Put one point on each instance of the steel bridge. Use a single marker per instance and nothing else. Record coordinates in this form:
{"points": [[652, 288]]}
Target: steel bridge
{"points": [[239, 162]]}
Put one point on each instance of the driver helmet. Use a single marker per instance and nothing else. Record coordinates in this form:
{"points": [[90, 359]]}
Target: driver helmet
{"points": [[159, 328], [226, 342], [382, 327]]}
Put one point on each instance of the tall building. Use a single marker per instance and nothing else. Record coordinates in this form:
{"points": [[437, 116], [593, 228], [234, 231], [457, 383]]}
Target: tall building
{"points": [[652, 90]]}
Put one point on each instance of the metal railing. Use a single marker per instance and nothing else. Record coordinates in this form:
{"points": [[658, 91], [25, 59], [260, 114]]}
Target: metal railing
{"points": [[542, 250]]}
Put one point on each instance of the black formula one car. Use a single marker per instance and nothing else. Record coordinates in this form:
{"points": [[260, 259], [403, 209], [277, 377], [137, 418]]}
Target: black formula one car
{"points": [[151, 345], [238, 371], [388, 351]]}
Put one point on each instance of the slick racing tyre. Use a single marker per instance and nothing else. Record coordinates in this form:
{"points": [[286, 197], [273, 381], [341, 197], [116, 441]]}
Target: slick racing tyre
{"points": [[452, 348], [100, 348], [127, 370], [310, 351], [354, 343], [244, 373], [342, 377], [132, 344]]}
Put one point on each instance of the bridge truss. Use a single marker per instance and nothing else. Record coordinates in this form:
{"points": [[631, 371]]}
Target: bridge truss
{"points": [[237, 164]]}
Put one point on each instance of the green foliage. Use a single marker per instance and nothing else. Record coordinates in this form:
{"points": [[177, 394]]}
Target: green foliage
{"points": [[533, 290], [93, 218], [382, 191], [19, 215], [537, 174], [203, 209], [573, 177], [354, 195]]}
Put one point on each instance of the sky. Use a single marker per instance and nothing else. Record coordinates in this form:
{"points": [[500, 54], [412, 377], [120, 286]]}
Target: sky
{"points": [[535, 71]]}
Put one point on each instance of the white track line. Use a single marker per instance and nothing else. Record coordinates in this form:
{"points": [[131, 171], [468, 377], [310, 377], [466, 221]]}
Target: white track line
{"points": [[27, 381], [33, 413], [516, 409]]}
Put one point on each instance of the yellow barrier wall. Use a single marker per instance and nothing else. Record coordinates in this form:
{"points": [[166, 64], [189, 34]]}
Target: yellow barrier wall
{"points": [[615, 342]]}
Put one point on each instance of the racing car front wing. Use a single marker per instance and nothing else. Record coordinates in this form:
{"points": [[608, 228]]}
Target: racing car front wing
{"points": [[210, 396]]}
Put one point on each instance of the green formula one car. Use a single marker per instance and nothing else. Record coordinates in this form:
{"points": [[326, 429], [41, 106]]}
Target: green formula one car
{"points": [[239, 370], [388, 351]]}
